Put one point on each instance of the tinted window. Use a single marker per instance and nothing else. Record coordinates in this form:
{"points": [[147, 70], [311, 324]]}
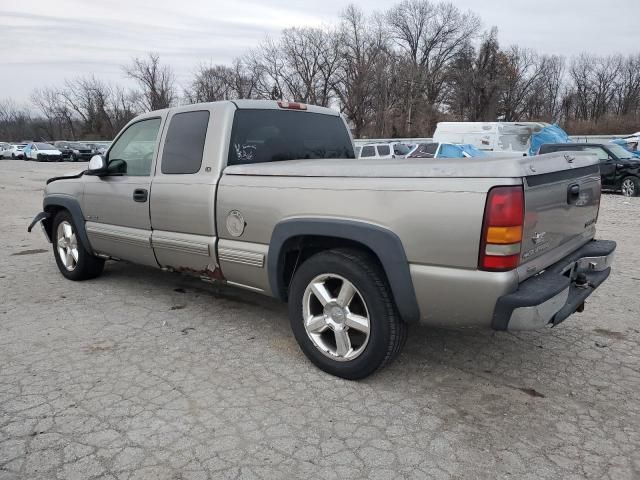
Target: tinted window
{"points": [[184, 143], [132, 153], [368, 151], [44, 146], [275, 135], [384, 150]]}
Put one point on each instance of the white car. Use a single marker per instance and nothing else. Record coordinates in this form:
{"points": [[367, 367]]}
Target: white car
{"points": [[42, 152], [383, 150], [4, 147], [13, 151]]}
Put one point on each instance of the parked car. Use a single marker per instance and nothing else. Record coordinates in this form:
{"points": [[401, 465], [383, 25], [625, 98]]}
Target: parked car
{"points": [[74, 151], [4, 149], [619, 168], [382, 150], [445, 150], [13, 151], [99, 148], [269, 196], [42, 152]]}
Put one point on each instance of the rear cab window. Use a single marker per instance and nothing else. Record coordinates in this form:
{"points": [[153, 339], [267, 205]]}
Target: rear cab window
{"points": [[262, 135]]}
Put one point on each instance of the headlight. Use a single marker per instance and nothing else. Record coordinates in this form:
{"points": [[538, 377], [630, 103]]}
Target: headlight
{"points": [[76, 151]]}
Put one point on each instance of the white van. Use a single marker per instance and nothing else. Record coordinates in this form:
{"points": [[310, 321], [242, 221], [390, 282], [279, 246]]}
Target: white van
{"points": [[489, 136]]}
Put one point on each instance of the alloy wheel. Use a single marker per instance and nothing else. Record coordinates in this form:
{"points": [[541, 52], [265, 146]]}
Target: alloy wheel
{"points": [[335, 317], [628, 187], [67, 245]]}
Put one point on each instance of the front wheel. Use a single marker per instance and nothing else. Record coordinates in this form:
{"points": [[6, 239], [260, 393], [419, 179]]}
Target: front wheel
{"points": [[630, 187], [342, 314], [73, 259]]}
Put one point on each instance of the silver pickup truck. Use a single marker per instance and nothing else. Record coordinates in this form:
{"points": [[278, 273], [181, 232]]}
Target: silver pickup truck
{"points": [[268, 196]]}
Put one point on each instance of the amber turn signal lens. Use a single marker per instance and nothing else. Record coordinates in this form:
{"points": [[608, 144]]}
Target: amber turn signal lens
{"points": [[504, 235]]}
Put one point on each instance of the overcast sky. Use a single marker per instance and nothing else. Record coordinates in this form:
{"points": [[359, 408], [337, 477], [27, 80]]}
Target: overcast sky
{"points": [[42, 42]]}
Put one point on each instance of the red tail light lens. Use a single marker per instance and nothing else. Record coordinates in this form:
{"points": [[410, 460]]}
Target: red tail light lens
{"points": [[502, 229]]}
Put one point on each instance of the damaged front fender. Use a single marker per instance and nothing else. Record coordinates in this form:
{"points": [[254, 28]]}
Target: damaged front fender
{"points": [[38, 219]]}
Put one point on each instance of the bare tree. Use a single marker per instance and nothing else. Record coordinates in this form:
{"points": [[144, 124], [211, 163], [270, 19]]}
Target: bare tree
{"points": [[59, 117], [362, 44], [429, 35], [156, 82]]}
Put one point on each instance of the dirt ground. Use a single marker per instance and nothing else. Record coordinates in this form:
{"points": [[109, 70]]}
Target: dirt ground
{"points": [[144, 374]]}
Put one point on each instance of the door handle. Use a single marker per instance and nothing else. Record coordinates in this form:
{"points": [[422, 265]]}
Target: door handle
{"points": [[140, 195]]}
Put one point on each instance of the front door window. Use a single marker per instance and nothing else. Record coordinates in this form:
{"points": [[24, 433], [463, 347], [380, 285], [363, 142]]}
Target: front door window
{"points": [[132, 154]]}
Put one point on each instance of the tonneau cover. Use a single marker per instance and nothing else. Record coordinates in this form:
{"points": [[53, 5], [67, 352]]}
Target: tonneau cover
{"points": [[516, 166]]}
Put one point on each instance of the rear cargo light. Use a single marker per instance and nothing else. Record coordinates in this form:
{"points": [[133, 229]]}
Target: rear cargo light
{"points": [[292, 105], [502, 229]]}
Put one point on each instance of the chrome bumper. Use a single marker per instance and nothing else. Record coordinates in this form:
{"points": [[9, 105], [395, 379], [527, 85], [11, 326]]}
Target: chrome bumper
{"points": [[553, 295]]}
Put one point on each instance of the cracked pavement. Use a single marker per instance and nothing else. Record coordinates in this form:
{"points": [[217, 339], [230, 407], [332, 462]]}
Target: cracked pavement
{"points": [[142, 374]]}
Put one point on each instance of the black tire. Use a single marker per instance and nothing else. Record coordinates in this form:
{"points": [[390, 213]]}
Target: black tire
{"points": [[87, 266], [387, 332], [633, 189]]}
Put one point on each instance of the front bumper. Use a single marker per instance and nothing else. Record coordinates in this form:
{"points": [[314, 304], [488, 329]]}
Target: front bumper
{"points": [[559, 291]]}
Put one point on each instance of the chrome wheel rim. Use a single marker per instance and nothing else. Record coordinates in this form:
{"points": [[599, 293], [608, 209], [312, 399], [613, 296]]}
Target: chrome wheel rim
{"points": [[628, 187], [336, 317], [67, 245]]}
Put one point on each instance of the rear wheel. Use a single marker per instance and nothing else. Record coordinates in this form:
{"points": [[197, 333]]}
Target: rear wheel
{"points": [[73, 259], [342, 314], [630, 187]]}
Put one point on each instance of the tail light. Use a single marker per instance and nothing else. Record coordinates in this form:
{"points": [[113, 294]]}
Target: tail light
{"points": [[292, 105], [502, 229]]}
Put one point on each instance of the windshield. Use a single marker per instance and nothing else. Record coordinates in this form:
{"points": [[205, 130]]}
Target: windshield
{"points": [[44, 146], [620, 152], [276, 135]]}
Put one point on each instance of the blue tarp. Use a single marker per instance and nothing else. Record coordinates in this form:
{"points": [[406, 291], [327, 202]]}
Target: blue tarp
{"points": [[625, 145], [550, 134], [448, 150]]}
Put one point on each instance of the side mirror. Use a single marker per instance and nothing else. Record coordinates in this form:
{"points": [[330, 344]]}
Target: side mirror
{"points": [[97, 166]]}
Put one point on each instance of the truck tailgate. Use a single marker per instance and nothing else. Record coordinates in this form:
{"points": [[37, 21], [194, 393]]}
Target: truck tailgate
{"points": [[561, 207]]}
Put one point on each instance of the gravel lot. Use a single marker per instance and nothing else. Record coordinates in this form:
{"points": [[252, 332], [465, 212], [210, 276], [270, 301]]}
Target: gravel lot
{"points": [[145, 374]]}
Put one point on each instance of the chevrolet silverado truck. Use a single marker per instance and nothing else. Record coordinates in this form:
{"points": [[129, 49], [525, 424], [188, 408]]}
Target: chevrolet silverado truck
{"points": [[269, 196]]}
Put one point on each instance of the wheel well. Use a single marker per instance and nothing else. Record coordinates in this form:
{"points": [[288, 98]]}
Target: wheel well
{"points": [[53, 210], [298, 249]]}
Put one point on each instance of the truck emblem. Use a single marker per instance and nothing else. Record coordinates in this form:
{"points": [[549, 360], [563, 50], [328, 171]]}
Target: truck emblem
{"points": [[235, 223], [538, 237]]}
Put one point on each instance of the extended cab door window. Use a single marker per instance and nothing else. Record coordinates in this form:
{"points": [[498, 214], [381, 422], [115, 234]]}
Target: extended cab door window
{"points": [[184, 143], [132, 153]]}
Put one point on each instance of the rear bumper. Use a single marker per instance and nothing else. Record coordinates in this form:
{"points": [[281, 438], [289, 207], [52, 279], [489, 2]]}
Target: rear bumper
{"points": [[556, 293]]}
